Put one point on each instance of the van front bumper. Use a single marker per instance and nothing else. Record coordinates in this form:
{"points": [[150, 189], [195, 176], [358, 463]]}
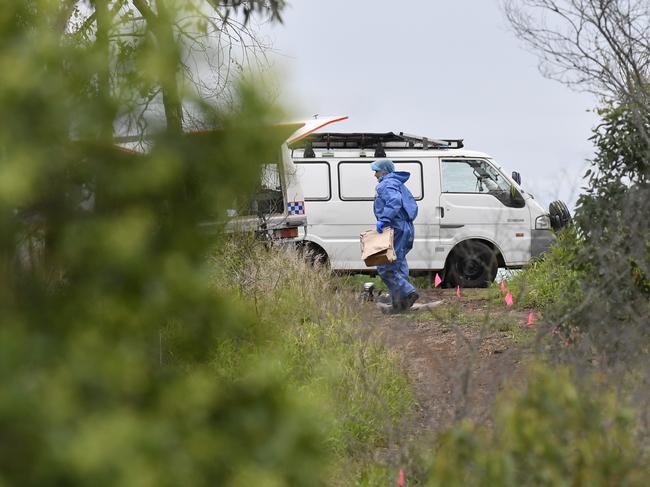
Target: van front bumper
{"points": [[541, 241]]}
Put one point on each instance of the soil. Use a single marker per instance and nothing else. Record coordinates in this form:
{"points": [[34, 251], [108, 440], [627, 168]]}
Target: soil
{"points": [[459, 362]]}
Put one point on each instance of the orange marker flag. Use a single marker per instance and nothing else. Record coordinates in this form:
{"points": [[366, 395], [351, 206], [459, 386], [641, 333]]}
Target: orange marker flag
{"points": [[437, 281], [531, 319], [509, 299], [400, 480], [503, 286], [458, 291]]}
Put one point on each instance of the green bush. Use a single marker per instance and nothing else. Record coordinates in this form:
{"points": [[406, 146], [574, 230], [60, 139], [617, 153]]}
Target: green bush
{"points": [[121, 362], [552, 282], [612, 220], [550, 433], [594, 283]]}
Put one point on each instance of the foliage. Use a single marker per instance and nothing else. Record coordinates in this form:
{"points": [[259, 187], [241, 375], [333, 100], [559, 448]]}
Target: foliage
{"points": [[612, 218], [356, 282], [622, 162], [549, 433], [594, 283], [111, 321], [167, 61], [553, 282], [306, 321], [602, 47], [249, 7]]}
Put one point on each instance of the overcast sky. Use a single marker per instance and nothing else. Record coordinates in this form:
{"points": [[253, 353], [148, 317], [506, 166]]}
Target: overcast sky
{"points": [[437, 68]]}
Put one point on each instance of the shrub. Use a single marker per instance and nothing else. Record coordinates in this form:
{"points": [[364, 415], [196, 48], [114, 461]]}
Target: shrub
{"points": [[109, 322], [595, 282], [553, 282], [550, 433]]}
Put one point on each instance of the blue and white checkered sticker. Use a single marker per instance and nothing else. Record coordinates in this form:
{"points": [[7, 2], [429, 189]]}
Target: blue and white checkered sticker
{"points": [[296, 207]]}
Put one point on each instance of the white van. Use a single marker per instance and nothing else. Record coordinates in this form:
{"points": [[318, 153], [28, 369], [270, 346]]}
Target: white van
{"points": [[473, 217]]}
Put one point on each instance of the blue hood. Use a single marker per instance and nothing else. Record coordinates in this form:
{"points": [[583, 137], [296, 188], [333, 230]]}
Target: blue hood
{"points": [[401, 176]]}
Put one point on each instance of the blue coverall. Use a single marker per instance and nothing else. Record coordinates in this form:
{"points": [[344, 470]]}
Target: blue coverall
{"points": [[395, 207]]}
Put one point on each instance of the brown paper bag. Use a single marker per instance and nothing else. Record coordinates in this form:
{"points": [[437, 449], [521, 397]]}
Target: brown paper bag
{"points": [[377, 248]]}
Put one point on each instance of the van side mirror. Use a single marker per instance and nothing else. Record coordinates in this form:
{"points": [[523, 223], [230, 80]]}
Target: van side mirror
{"points": [[517, 177]]}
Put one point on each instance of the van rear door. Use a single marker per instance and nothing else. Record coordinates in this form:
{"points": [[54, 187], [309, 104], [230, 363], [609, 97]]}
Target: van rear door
{"points": [[276, 208]]}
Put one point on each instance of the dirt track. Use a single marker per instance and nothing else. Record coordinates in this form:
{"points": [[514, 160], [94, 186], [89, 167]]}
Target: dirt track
{"points": [[458, 357]]}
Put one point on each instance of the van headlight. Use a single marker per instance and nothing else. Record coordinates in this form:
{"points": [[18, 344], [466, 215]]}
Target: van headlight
{"points": [[543, 223]]}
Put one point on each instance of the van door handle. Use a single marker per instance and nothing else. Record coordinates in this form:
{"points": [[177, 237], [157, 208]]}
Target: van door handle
{"points": [[442, 211]]}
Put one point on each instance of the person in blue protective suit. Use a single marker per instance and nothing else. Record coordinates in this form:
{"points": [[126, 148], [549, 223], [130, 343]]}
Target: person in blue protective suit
{"points": [[395, 207]]}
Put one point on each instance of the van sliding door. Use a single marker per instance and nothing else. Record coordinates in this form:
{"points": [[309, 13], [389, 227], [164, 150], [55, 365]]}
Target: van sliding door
{"points": [[353, 213]]}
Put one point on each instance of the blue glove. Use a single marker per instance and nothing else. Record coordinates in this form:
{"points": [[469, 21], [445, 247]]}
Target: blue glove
{"points": [[380, 226]]}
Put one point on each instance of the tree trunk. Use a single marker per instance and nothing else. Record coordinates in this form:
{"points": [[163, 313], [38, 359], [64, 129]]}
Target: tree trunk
{"points": [[161, 27]]}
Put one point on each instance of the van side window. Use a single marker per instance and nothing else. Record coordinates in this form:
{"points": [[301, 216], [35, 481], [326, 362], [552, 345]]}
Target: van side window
{"points": [[315, 180], [477, 176], [357, 181]]}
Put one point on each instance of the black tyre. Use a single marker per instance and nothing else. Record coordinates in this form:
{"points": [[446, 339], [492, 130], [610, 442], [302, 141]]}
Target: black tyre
{"points": [[315, 255], [560, 215], [471, 264]]}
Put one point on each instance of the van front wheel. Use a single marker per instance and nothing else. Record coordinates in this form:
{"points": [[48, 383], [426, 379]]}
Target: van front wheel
{"points": [[472, 264]]}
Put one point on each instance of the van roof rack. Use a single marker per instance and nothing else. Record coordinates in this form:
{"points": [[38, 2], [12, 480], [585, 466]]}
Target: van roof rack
{"points": [[365, 140]]}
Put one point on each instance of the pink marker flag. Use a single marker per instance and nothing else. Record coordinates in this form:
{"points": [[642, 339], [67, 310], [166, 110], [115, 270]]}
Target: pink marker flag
{"points": [[503, 286], [458, 291], [400, 480], [437, 281], [509, 299], [531, 319]]}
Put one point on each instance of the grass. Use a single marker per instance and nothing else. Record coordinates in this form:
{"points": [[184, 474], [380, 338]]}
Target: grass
{"points": [[356, 281], [488, 316], [551, 280], [307, 323], [477, 308]]}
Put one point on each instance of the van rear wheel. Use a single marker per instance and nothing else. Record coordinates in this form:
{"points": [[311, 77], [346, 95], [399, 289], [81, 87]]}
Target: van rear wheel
{"points": [[472, 264], [315, 255]]}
